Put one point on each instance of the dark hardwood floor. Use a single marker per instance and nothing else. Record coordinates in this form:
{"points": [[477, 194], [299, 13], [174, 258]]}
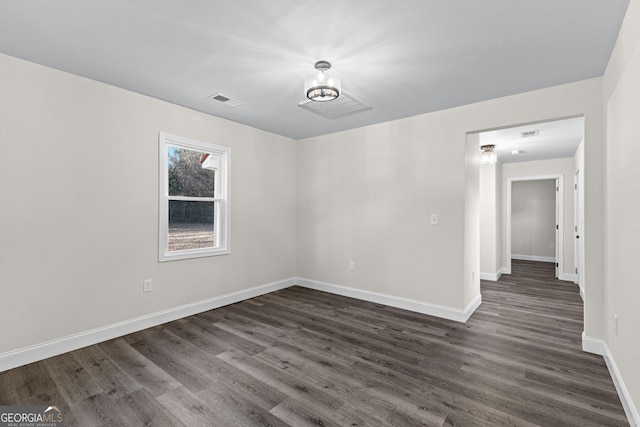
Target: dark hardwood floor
{"points": [[300, 357]]}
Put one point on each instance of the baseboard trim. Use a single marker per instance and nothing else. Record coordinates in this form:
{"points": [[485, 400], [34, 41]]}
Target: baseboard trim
{"points": [[625, 398], [533, 258], [581, 292], [599, 347], [592, 345], [33, 353], [436, 310], [567, 277], [494, 277]]}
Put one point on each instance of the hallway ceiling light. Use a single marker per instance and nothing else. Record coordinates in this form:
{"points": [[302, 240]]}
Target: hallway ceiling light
{"points": [[323, 85], [488, 155]]}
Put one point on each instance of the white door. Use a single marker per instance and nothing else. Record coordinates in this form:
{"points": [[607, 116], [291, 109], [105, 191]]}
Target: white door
{"points": [[577, 227], [557, 227]]}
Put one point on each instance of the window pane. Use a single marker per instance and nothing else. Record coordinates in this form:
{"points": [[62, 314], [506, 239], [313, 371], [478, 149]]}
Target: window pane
{"points": [[191, 225], [191, 173]]}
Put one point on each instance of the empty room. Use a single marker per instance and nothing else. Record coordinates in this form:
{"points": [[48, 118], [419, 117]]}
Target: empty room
{"points": [[343, 213]]}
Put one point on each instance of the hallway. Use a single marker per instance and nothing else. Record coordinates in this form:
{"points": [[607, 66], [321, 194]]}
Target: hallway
{"points": [[537, 322]]}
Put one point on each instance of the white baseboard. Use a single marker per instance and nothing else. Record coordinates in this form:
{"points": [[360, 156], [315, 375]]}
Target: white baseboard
{"points": [[34, 353], [444, 312], [598, 346], [582, 293], [494, 277], [55, 347], [592, 345], [533, 258], [625, 398]]}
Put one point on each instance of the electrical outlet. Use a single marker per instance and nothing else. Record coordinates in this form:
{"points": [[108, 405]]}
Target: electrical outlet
{"points": [[147, 285], [352, 266]]}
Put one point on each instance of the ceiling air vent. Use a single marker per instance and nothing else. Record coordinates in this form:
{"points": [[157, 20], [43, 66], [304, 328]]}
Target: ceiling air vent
{"points": [[342, 106], [226, 100], [529, 133]]}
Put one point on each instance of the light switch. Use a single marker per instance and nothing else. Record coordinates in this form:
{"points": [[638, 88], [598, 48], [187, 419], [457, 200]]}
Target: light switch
{"points": [[434, 219]]}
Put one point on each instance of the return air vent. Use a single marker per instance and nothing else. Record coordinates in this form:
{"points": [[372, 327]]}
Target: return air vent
{"points": [[529, 134], [226, 100], [342, 106]]}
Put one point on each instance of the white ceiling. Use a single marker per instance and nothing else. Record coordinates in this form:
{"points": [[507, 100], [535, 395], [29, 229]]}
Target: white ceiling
{"points": [[402, 58], [555, 139]]}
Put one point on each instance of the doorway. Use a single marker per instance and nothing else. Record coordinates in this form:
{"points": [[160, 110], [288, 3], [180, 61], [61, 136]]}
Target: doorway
{"points": [[530, 151], [535, 220]]}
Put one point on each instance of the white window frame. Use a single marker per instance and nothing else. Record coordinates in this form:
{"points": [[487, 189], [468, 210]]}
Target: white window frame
{"points": [[221, 198]]}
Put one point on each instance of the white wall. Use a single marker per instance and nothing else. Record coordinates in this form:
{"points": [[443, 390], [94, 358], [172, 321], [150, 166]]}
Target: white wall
{"points": [[491, 221], [525, 170], [500, 217], [472, 219], [79, 211], [533, 219], [622, 291], [365, 195]]}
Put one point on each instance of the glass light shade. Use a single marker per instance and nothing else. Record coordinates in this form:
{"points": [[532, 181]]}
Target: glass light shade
{"points": [[323, 85], [488, 155]]}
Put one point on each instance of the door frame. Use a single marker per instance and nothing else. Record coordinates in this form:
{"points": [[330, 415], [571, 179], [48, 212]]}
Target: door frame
{"points": [[560, 215], [577, 232]]}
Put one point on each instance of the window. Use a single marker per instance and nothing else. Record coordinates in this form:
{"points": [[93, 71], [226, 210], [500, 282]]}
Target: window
{"points": [[194, 198]]}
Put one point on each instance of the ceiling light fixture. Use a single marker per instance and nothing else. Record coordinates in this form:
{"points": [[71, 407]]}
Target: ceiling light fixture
{"points": [[323, 85], [488, 155]]}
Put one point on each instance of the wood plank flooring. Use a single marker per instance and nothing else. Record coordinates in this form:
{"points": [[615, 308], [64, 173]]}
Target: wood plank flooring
{"points": [[300, 357]]}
